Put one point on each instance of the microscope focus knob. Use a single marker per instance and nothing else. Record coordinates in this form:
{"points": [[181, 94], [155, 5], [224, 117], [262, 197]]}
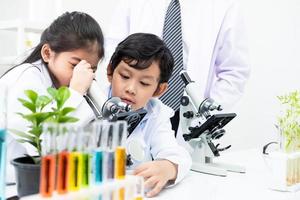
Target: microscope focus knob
{"points": [[184, 101], [217, 134], [188, 114]]}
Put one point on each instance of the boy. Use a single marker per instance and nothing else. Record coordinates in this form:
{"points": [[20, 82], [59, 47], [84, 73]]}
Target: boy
{"points": [[138, 71]]}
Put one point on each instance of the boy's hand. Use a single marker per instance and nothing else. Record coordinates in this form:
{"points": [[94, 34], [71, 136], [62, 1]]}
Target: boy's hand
{"points": [[156, 174], [82, 77]]}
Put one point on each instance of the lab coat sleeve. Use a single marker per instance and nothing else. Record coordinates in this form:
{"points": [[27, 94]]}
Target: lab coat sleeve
{"points": [[83, 111], [231, 59], [164, 146]]}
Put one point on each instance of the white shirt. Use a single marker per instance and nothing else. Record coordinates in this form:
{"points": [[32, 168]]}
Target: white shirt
{"points": [[155, 134], [33, 77]]}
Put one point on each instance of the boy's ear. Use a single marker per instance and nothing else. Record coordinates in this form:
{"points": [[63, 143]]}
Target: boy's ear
{"points": [[109, 72], [46, 52], [161, 88]]}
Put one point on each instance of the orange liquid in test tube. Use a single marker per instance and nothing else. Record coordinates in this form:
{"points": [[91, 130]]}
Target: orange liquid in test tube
{"points": [[63, 172], [47, 179]]}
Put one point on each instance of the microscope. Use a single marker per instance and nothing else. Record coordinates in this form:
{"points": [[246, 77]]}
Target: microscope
{"points": [[112, 109], [200, 127]]}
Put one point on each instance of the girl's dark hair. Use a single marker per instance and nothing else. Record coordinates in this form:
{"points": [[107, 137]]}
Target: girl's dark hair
{"points": [[140, 50], [68, 32]]}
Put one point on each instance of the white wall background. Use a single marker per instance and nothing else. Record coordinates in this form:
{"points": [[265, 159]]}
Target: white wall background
{"points": [[274, 43]]}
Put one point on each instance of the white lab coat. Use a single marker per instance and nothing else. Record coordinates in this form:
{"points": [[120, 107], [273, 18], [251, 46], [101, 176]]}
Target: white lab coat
{"points": [[155, 134], [157, 137], [34, 77], [214, 42]]}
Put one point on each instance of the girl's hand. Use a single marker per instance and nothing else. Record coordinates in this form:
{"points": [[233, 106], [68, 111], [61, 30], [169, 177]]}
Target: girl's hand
{"points": [[156, 174], [82, 77]]}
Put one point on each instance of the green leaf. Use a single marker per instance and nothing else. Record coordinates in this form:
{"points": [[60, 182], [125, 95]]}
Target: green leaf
{"points": [[43, 116], [42, 101], [36, 131], [53, 92], [38, 118], [67, 110], [28, 117], [62, 96], [65, 119], [28, 104], [28, 141], [32, 95], [22, 134]]}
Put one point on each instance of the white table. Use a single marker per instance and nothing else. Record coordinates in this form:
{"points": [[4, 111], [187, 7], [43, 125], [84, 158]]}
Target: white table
{"points": [[235, 186], [251, 185]]}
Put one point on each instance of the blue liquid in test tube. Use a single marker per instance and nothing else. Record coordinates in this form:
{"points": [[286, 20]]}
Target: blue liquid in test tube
{"points": [[98, 171]]}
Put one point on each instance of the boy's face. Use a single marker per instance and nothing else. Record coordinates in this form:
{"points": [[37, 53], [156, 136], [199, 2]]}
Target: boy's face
{"points": [[136, 87]]}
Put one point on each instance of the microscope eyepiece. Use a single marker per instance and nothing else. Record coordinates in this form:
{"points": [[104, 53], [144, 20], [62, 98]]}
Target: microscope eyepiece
{"points": [[185, 78]]}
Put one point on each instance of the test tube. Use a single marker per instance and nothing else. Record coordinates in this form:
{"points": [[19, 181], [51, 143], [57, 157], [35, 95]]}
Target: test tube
{"points": [[2, 163], [98, 153], [75, 163], [120, 152], [48, 161], [63, 160], [3, 105], [63, 173], [108, 154], [87, 146], [139, 188]]}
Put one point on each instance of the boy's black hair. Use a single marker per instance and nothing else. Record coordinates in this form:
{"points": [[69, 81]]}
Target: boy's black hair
{"points": [[140, 50]]}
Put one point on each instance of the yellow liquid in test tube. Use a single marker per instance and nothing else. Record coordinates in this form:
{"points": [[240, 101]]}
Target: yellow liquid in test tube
{"points": [[138, 198], [75, 171], [120, 162], [120, 167]]}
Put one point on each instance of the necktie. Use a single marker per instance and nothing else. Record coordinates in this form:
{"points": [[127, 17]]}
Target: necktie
{"points": [[173, 38]]}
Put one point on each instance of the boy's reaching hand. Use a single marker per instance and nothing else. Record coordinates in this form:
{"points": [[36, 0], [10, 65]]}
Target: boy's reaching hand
{"points": [[156, 174]]}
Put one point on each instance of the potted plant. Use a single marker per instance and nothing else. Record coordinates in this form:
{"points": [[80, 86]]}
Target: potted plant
{"points": [[284, 163], [28, 168], [289, 122]]}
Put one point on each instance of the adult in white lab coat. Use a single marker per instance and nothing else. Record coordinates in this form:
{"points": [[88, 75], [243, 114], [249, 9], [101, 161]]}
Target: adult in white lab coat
{"points": [[214, 43]]}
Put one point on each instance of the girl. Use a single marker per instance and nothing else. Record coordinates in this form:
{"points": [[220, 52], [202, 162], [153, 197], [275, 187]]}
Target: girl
{"points": [[67, 55]]}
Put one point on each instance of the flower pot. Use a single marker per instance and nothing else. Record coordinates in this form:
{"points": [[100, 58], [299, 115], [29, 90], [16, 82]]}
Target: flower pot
{"points": [[27, 176]]}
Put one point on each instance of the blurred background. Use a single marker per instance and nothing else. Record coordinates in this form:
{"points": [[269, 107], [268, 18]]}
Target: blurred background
{"points": [[274, 43]]}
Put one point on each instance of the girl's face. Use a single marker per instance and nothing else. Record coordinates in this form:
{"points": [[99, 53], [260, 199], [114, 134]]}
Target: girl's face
{"points": [[136, 87], [61, 65]]}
